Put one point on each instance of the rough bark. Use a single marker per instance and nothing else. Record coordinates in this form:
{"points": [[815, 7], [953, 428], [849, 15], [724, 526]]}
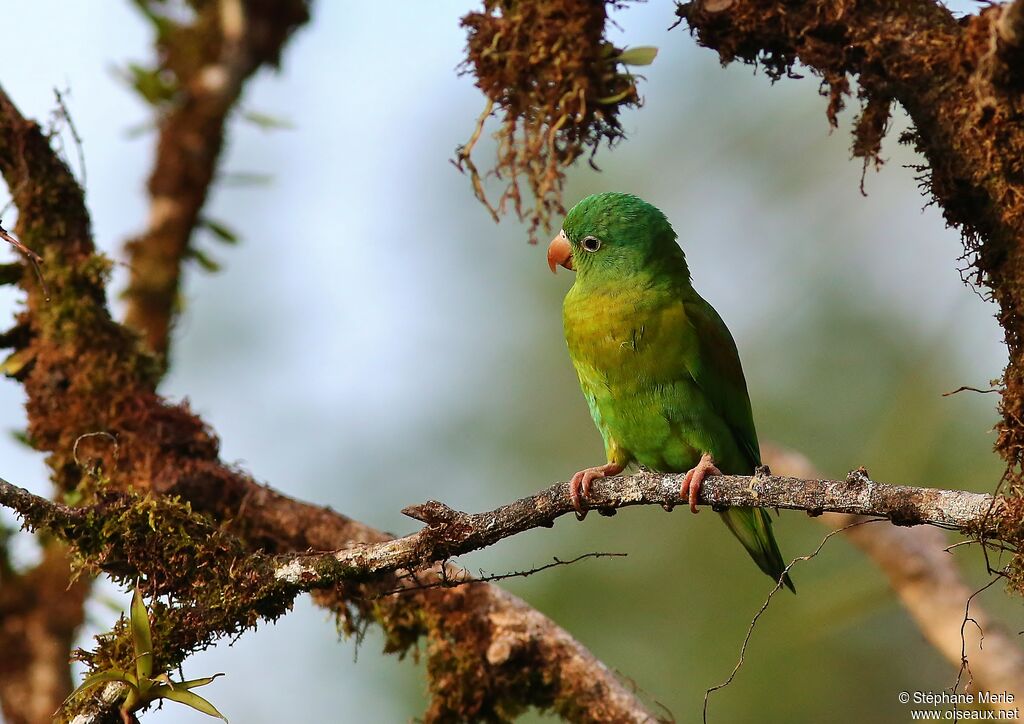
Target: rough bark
{"points": [[37, 617]]}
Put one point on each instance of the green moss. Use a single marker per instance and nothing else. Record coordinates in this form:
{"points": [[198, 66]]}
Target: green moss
{"points": [[203, 583]]}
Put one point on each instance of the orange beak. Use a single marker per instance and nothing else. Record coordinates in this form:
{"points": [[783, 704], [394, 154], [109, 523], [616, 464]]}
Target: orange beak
{"points": [[559, 253]]}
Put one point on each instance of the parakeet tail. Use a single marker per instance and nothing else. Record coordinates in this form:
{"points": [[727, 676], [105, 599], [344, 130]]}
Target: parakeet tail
{"points": [[753, 527]]}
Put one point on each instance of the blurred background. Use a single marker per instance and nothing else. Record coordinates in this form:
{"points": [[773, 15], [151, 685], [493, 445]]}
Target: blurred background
{"points": [[375, 340]]}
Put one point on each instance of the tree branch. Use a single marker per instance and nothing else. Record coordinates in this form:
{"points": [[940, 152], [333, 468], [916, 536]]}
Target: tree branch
{"points": [[450, 532], [41, 609], [211, 59], [928, 583]]}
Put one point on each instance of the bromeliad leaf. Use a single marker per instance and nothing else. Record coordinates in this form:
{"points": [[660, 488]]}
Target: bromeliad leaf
{"points": [[142, 637], [188, 698], [143, 688], [194, 683]]}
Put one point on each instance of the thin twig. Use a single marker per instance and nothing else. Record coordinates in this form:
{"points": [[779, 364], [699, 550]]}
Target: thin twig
{"points": [[928, 583], [968, 388], [465, 578], [34, 259], [964, 663], [764, 607], [79, 146]]}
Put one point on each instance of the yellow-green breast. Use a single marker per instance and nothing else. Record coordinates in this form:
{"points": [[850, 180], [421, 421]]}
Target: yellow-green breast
{"points": [[630, 345]]}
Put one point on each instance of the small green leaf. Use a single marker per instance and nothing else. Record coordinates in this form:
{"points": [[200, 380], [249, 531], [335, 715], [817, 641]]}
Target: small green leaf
{"points": [[222, 231], [267, 122], [142, 637], [22, 437], [641, 55], [203, 260], [188, 698], [194, 683]]}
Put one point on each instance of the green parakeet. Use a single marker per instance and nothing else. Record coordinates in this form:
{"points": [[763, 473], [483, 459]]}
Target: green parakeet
{"points": [[657, 365]]}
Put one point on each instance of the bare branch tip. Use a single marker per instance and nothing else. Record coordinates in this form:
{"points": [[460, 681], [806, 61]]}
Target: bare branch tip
{"points": [[432, 512]]}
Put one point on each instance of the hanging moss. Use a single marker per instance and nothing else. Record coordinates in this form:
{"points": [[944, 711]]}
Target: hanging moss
{"points": [[557, 87]]}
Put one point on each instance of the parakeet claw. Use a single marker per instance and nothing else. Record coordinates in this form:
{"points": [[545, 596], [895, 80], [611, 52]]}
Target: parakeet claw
{"points": [[579, 486], [695, 477]]}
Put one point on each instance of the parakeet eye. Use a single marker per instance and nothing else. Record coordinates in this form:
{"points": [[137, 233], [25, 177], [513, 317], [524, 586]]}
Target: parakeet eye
{"points": [[591, 243]]}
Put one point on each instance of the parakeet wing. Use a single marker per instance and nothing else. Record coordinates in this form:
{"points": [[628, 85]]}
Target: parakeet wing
{"points": [[714, 364]]}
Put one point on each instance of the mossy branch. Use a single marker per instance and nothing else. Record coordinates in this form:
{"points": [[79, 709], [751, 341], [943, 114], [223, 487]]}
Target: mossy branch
{"points": [[556, 100], [41, 608]]}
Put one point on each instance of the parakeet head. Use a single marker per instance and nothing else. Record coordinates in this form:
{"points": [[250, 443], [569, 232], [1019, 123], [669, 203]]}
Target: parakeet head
{"points": [[613, 236]]}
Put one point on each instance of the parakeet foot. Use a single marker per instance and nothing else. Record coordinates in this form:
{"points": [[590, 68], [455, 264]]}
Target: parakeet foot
{"points": [[579, 486], [695, 477]]}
